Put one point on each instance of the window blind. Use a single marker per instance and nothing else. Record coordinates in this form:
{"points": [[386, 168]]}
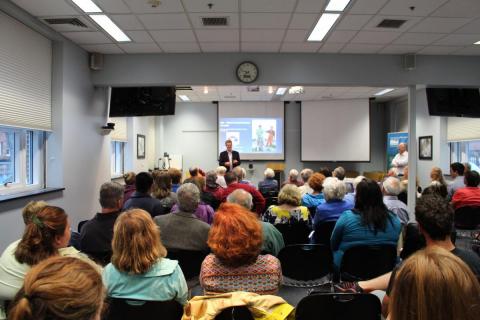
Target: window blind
{"points": [[120, 132], [25, 76], [463, 129]]}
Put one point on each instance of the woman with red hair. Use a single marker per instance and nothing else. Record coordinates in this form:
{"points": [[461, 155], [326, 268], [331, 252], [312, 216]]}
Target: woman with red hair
{"points": [[235, 239]]}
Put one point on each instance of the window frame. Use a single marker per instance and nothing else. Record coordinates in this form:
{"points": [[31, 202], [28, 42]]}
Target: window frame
{"points": [[114, 157]]}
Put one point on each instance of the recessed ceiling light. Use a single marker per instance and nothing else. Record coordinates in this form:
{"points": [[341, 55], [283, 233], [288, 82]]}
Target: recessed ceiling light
{"points": [[110, 27], [296, 90], [281, 91], [205, 90], [478, 42], [381, 93], [337, 5], [270, 89], [324, 24], [184, 97], [87, 6]]}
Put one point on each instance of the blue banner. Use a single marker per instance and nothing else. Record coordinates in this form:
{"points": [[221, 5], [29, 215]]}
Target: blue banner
{"points": [[393, 140]]}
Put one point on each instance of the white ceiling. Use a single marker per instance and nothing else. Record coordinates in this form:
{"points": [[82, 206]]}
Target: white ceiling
{"points": [[433, 27], [241, 93]]}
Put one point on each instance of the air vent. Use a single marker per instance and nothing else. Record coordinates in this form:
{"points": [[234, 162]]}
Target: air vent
{"points": [[71, 21], [215, 21], [391, 23], [183, 88]]}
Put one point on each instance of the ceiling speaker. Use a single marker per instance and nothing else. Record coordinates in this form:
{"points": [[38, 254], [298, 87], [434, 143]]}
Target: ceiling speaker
{"points": [[409, 61], [96, 61]]}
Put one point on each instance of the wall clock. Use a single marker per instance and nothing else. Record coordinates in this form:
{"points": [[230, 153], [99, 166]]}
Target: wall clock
{"points": [[247, 72]]}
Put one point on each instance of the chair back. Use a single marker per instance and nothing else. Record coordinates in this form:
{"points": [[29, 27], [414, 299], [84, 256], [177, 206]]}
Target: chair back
{"points": [[102, 258], [467, 218], [128, 309], [306, 262], [190, 261], [80, 225], [367, 262], [294, 232], [339, 306], [235, 313], [323, 232]]}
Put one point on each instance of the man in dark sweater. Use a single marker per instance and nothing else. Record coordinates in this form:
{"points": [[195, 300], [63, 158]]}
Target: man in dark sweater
{"points": [[141, 198]]}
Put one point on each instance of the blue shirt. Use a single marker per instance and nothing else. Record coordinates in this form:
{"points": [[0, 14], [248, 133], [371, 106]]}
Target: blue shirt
{"points": [[312, 200], [175, 187], [330, 210]]}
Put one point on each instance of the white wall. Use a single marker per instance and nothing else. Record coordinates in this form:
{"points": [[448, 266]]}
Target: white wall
{"points": [[144, 126]]}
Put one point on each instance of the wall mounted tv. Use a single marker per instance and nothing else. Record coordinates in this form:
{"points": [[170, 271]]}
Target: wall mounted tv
{"points": [[142, 101], [454, 102]]}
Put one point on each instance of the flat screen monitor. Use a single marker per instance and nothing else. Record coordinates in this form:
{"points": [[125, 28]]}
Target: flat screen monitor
{"points": [[454, 102], [142, 101]]}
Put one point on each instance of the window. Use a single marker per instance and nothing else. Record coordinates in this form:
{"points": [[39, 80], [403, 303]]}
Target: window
{"points": [[21, 160], [466, 151], [117, 158]]}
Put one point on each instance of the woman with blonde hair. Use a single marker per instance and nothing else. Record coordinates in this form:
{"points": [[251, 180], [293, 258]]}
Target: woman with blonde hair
{"points": [[63, 288], [139, 269], [434, 284], [289, 207], [437, 175]]}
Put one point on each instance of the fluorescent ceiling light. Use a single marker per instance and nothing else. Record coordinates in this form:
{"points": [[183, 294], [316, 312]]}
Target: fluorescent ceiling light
{"points": [[337, 5], [478, 42], [324, 24], [381, 93], [281, 91], [270, 89], [87, 6], [296, 90], [205, 90], [110, 27], [184, 97]]}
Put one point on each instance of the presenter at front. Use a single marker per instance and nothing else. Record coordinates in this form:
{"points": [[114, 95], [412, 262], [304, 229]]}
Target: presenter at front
{"points": [[229, 158], [400, 161]]}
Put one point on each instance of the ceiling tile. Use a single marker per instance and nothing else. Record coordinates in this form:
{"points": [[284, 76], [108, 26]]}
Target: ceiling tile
{"points": [[220, 46], [367, 6], [422, 7], [439, 50], [260, 46], [127, 22], [166, 6], [472, 27], [140, 47], [265, 20], [310, 6], [303, 21], [361, 48], [268, 5], [418, 38], [296, 35], [458, 40], [353, 22], [87, 37], [440, 25], [300, 47], [233, 21], [373, 23], [165, 21], [375, 37], [47, 7], [180, 47], [173, 36], [140, 36], [469, 51], [262, 35], [400, 49], [218, 35], [341, 36], [331, 47], [459, 8], [219, 6], [113, 6], [103, 48]]}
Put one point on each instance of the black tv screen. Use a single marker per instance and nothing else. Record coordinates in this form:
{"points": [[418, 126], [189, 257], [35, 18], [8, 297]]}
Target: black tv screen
{"points": [[142, 101], [454, 102]]}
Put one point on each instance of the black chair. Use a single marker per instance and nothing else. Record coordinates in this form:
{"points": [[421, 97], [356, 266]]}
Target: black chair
{"points": [[190, 261], [367, 262], [312, 211], [323, 232], [413, 240], [131, 309], [80, 225], [296, 232], [235, 313], [467, 218], [102, 258], [305, 262], [339, 306]]}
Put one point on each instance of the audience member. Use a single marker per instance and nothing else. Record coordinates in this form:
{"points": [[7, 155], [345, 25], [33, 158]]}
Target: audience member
{"points": [[334, 191], [232, 185], [208, 201], [212, 186], [436, 188], [435, 284], [391, 189], [325, 171], [176, 176], [470, 195], [97, 234], [467, 167], [236, 264], [60, 288], [182, 230], [129, 188], [204, 211], [436, 174], [403, 195], [221, 171], [139, 269], [305, 174], [368, 223], [141, 198], [269, 184], [316, 198], [339, 173], [456, 172], [289, 207], [293, 178], [162, 190], [272, 238], [350, 197], [241, 174]]}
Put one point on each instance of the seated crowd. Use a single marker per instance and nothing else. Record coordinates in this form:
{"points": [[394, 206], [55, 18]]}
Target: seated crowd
{"points": [[125, 251]]}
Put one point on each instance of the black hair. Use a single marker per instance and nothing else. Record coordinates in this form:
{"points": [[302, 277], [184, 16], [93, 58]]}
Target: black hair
{"points": [[369, 204], [436, 189], [472, 179], [143, 182], [435, 215], [326, 172], [458, 168]]}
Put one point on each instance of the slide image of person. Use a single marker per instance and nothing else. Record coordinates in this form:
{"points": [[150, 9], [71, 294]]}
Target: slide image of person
{"points": [[260, 139], [270, 137]]}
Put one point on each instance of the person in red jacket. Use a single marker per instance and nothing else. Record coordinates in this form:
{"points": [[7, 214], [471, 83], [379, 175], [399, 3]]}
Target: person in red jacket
{"points": [[232, 185], [470, 195]]}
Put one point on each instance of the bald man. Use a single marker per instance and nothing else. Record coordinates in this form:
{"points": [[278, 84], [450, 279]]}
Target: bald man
{"points": [[401, 159]]}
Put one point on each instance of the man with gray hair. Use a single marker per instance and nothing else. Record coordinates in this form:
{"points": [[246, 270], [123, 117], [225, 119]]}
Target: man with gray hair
{"points": [[269, 184], [391, 189], [272, 238], [339, 173], [96, 234], [241, 174], [293, 178], [182, 230], [305, 174]]}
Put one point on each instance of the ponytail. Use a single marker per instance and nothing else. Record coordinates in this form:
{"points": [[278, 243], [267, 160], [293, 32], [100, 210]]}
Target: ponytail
{"points": [[22, 309]]}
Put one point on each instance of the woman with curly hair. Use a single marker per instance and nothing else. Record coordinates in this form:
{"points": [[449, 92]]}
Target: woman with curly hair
{"points": [[235, 239]]}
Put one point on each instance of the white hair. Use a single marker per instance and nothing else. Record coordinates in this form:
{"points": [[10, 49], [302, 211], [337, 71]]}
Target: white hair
{"points": [[293, 174], [357, 180], [392, 187], [241, 197], [188, 196], [339, 172], [221, 170], [306, 174], [334, 189], [269, 173]]}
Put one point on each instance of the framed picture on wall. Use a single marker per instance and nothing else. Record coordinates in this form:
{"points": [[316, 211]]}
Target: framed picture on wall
{"points": [[425, 148], [140, 146]]}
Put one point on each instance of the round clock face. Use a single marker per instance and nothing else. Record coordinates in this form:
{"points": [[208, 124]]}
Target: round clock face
{"points": [[247, 72]]}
